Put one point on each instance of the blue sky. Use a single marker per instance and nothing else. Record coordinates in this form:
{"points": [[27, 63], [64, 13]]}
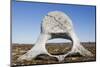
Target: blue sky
{"points": [[27, 17]]}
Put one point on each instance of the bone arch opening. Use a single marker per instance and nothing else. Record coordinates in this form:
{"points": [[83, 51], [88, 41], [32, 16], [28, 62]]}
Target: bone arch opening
{"points": [[58, 46]]}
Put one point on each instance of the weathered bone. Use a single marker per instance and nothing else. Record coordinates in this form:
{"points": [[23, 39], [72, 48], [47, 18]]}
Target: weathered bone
{"points": [[56, 25]]}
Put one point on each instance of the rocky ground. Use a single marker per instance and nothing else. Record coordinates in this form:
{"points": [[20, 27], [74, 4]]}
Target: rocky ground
{"points": [[53, 48]]}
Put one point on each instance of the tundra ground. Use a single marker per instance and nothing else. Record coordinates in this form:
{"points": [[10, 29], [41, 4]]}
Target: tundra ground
{"points": [[53, 48]]}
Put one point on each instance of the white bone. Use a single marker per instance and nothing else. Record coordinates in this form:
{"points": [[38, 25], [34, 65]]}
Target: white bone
{"points": [[56, 25], [38, 48]]}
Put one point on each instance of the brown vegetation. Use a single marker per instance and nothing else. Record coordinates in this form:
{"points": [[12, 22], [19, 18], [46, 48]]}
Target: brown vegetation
{"points": [[53, 48]]}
